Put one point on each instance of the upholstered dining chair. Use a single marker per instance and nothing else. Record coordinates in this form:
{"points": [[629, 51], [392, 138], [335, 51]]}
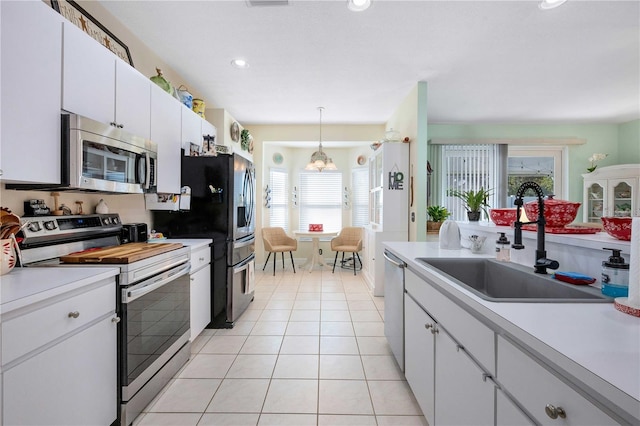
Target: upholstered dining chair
{"points": [[276, 240], [348, 240]]}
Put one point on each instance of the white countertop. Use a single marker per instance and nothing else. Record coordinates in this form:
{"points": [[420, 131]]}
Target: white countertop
{"points": [[24, 286], [596, 345]]}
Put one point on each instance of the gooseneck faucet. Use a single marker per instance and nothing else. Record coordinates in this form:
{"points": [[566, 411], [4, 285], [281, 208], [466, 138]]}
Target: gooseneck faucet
{"points": [[542, 263]]}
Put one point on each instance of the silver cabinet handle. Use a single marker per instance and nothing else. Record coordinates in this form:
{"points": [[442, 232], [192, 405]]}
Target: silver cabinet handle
{"points": [[115, 320], [74, 314], [432, 328], [555, 412]]}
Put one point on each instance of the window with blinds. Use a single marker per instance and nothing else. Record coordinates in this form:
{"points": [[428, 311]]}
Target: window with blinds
{"points": [[279, 205], [360, 197], [320, 199], [470, 167]]}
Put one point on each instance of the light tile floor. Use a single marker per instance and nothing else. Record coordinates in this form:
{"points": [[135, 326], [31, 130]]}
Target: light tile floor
{"points": [[309, 350]]}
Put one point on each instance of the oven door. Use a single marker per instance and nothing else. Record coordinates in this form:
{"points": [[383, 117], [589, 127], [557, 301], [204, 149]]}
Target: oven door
{"points": [[155, 325], [241, 284]]}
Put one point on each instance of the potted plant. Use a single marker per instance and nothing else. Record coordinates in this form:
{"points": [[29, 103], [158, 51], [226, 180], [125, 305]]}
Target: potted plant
{"points": [[437, 214], [474, 201]]}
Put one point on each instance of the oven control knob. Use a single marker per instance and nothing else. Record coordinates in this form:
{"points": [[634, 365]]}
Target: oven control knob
{"points": [[34, 226], [115, 220], [106, 220], [49, 225]]}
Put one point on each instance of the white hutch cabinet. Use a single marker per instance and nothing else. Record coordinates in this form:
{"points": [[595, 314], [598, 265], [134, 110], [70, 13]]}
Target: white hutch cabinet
{"points": [[611, 191], [388, 208]]}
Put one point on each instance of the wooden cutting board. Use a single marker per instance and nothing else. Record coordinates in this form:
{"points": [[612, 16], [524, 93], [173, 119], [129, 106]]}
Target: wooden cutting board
{"points": [[126, 253]]}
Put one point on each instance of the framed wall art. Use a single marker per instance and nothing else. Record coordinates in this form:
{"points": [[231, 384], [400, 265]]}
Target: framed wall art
{"points": [[75, 14]]}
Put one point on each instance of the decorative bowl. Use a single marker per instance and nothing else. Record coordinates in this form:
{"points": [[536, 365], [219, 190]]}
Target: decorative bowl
{"points": [[556, 212], [503, 217], [617, 227], [7, 256]]}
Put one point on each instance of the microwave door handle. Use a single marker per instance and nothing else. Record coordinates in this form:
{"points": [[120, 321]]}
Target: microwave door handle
{"points": [[147, 169], [132, 295]]}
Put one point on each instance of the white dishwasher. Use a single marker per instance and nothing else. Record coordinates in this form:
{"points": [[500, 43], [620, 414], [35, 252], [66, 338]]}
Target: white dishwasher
{"points": [[394, 305]]}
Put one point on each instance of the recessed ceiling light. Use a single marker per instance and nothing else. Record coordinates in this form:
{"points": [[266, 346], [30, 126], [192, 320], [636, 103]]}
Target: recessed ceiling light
{"points": [[240, 63], [550, 4], [358, 5]]}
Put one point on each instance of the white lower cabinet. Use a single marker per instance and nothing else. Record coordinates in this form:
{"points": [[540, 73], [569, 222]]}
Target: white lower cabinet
{"points": [[508, 414], [67, 378], [546, 397], [464, 392], [449, 385], [200, 290], [419, 358]]}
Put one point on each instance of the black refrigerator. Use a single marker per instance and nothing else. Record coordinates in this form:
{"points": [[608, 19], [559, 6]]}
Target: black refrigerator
{"points": [[223, 209]]}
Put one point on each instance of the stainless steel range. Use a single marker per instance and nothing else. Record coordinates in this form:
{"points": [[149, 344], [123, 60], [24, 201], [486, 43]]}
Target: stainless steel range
{"points": [[152, 297]]}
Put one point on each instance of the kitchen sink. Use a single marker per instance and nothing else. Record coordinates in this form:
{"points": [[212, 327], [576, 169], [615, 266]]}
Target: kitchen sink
{"points": [[508, 282]]}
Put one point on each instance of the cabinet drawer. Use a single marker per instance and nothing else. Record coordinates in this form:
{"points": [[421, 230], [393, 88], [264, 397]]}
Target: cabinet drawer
{"points": [[535, 387], [200, 257], [477, 338], [35, 328]]}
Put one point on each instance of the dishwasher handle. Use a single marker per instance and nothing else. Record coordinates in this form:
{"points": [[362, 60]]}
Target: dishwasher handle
{"points": [[395, 261]]}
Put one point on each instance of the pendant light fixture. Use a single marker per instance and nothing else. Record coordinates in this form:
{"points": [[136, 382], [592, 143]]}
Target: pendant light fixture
{"points": [[319, 160]]}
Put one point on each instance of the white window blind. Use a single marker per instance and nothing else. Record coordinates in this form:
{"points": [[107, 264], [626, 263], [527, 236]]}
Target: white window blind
{"points": [[469, 167], [360, 197], [279, 205], [320, 199]]}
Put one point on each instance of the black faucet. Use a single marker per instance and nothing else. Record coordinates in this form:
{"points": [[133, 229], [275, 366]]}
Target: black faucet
{"points": [[542, 263]]}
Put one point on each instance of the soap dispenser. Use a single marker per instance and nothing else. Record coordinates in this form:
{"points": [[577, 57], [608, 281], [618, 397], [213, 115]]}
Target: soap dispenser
{"points": [[615, 275], [503, 248]]}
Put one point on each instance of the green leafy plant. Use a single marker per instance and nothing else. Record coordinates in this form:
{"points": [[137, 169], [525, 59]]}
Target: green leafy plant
{"points": [[474, 201], [438, 213]]}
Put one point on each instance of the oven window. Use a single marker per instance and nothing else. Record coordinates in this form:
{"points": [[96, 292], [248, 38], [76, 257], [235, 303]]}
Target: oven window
{"points": [[153, 323], [105, 162]]}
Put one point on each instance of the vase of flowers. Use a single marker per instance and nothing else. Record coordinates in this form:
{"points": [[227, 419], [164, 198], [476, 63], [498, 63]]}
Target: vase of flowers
{"points": [[595, 158]]}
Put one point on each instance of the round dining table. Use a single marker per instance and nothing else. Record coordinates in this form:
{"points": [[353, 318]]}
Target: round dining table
{"points": [[314, 258]]}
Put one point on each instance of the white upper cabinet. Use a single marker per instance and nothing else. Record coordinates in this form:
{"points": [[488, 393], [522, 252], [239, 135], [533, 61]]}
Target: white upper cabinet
{"points": [[191, 129], [99, 85], [30, 95], [611, 191], [166, 132]]}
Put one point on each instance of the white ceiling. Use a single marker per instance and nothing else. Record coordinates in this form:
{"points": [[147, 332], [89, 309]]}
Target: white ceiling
{"points": [[484, 61]]}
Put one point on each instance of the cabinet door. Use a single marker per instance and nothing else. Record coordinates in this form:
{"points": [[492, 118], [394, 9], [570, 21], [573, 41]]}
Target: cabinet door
{"points": [[191, 129], [31, 92], [71, 383], [622, 194], [419, 356], [133, 100], [463, 395], [200, 301], [165, 131], [89, 77], [595, 201], [508, 414]]}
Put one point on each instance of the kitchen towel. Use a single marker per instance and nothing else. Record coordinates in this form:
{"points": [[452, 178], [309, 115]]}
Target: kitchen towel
{"points": [[634, 262], [631, 304]]}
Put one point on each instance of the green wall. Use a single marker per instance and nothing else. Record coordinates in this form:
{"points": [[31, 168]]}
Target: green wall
{"points": [[620, 141]]}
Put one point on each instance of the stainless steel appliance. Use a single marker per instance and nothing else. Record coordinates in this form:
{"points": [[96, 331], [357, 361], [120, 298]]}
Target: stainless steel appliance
{"points": [[103, 158], [134, 233], [394, 305], [222, 208], [152, 297]]}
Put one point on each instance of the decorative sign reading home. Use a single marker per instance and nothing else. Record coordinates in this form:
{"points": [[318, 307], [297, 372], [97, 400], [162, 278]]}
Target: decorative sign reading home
{"points": [[73, 12], [396, 178]]}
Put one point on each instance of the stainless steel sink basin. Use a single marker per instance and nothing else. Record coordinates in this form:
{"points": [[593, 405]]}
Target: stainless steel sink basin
{"points": [[508, 282]]}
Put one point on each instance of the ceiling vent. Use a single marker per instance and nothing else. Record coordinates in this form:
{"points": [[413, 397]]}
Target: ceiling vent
{"points": [[252, 3]]}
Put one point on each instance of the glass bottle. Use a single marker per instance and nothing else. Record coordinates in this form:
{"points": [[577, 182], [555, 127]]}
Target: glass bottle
{"points": [[503, 248]]}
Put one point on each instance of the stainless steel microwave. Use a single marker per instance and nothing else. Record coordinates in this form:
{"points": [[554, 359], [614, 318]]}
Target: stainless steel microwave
{"points": [[102, 158]]}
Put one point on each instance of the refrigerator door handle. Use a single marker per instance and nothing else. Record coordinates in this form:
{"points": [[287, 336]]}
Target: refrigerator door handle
{"points": [[244, 243]]}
